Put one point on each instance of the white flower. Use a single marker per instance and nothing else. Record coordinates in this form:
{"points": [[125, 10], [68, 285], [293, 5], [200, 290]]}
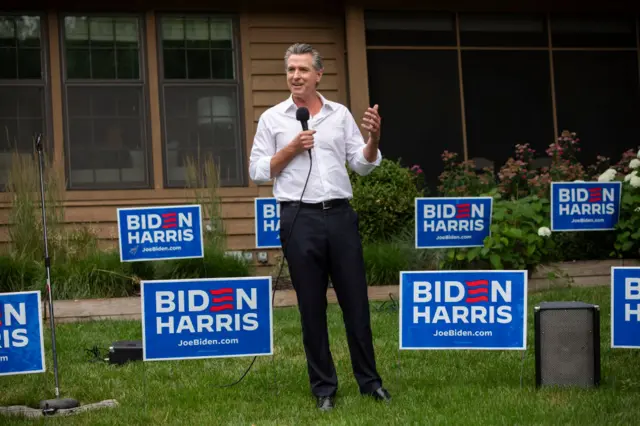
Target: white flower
{"points": [[634, 164], [628, 177], [578, 180], [638, 154], [544, 232], [637, 209], [635, 182], [607, 176], [208, 227]]}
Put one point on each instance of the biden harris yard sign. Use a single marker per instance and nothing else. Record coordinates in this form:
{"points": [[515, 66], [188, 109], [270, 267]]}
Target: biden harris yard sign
{"points": [[585, 206], [443, 222], [206, 318], [625, 307], [463, 310], [158, 233], [21, 338], [267, 214]]}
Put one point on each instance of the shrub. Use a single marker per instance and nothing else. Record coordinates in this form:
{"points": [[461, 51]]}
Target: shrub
{"points": [[459, 178], [628, 227], [99, 274], [518, 240], [386, 259], [570, 246], [18, 274], [384, 200], [203, 178], [25, 215], [519, 178], [215, 264]]}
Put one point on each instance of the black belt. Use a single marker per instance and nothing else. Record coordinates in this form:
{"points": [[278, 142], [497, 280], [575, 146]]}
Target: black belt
{"points": [[324, 205]]}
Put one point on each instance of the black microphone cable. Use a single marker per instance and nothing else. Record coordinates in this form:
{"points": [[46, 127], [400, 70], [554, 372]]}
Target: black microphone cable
{"points": [[284, 245]]}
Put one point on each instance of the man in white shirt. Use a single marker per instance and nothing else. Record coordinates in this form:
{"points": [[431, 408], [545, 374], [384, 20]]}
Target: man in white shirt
{"points": [[325, 240]]}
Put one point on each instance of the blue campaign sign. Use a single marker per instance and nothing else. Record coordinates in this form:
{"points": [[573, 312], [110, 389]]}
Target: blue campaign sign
{"points": [[267, 214], [21, 337], [463, 310], [206, 318], [158, 233], [625, 307], [443, 222], [585, 206]]}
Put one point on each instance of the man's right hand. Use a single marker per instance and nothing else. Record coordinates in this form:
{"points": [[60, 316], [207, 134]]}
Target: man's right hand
{"points": [[303, 141]]}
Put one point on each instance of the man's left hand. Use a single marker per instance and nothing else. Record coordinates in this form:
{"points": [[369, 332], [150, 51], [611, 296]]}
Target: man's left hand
{"points": [[371, 122]]}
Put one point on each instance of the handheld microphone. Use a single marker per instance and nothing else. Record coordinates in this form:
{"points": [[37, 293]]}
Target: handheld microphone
{"points": [[302, 115]]}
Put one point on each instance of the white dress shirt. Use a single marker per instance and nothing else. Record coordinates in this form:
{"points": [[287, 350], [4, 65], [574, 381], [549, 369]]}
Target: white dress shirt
{"points": [[337, 141]]}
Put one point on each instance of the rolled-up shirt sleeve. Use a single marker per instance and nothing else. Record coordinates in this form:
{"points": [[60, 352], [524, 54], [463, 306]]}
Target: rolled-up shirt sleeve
{"points": [[355, 148], [261, 152]]}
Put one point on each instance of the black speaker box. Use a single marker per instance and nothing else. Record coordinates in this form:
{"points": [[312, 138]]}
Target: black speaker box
{"points": [[567, 344], [124, 351]]}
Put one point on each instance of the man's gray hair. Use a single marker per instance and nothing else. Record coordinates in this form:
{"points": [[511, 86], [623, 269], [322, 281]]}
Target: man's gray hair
{"points": [[302, 49]]}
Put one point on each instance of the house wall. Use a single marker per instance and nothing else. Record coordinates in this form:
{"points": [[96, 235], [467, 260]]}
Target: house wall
{"points": [[262, 41]]}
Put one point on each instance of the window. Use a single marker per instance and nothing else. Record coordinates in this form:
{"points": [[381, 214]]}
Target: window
{"points": [[597, 85], [200, 91], [22, 88], [593, 31], [503, 30], [388, 28], [424, 120], [105, 111], [524, 78], [507, 97], [601, 105]]}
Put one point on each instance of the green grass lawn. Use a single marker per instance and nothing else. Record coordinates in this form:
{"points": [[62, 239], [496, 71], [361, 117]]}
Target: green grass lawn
{"points": [[428, 387]]}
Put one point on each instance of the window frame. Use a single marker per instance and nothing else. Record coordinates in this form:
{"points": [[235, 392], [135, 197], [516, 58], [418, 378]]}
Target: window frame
{"points": [[237, 82], [142, 83], [44, 83]]}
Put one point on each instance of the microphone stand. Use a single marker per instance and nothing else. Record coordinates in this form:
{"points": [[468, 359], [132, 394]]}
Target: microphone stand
{"points": [[50, 406]]}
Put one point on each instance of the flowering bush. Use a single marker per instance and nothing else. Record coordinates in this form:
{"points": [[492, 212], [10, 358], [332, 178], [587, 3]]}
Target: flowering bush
{"points": [[418, 174], [519, 238], [519, 177], [628, 227], [596, 169], [626, 163], [564, 163], [521, 180], [516, 175], [459, 178]]}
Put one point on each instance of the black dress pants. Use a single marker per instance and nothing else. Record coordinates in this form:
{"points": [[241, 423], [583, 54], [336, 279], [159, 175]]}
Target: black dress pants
{"points": [[326, 242]]}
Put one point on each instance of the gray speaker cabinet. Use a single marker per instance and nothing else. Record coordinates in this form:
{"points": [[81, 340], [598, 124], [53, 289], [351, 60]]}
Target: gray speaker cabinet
{"points": [[567, 344]]}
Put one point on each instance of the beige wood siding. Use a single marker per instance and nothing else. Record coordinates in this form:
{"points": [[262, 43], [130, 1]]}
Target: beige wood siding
{"points": [[263, 41]]}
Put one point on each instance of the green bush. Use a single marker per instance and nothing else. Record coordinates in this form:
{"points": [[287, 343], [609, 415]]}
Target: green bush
{"points": [[215, 264], [18, 274], [385, 260], [519, 238], [384, 200], [570, 246], [99, 274], [628, 228]]}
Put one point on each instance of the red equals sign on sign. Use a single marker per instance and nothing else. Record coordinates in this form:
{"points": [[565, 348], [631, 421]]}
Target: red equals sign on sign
{"points": [[169, 220], [477, 287], [221, 303], [595, 195], [463, 210]]}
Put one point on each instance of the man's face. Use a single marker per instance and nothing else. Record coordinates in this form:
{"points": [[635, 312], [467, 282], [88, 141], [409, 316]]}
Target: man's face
{"points": [[302, 77]]}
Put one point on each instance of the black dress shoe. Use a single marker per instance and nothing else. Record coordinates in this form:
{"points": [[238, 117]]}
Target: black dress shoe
{"points": [[325, 403], [381, 394]]}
